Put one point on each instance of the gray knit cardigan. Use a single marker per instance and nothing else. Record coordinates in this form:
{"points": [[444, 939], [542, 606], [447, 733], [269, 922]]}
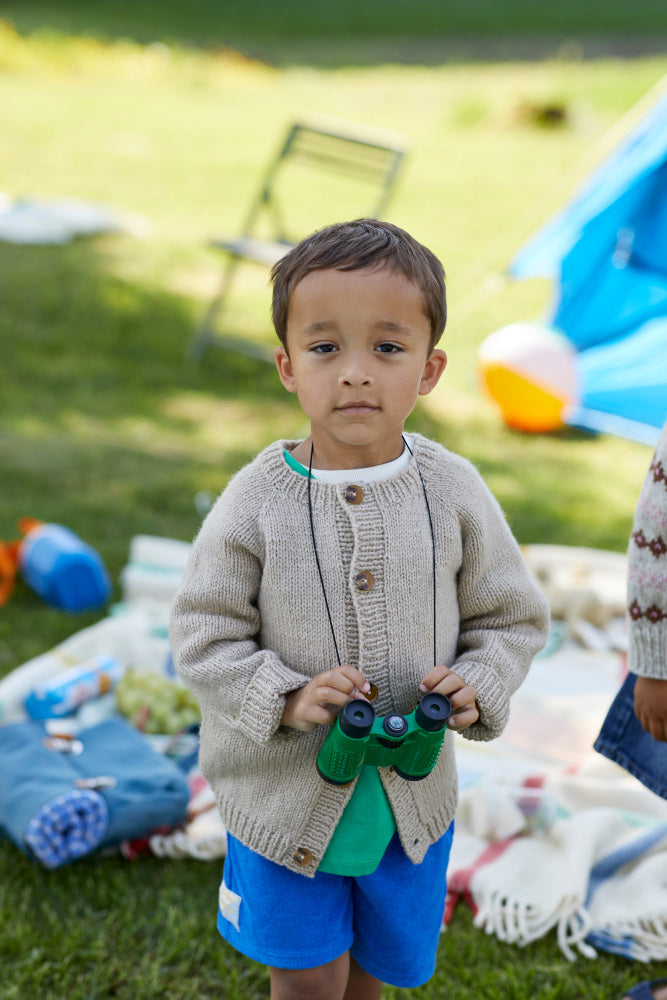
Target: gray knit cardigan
{"points": [[249, 625], [647, 572]]}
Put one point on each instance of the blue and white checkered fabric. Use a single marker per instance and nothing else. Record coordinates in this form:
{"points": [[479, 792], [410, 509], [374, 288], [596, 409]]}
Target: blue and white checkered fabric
{"points": [[67, 827]]}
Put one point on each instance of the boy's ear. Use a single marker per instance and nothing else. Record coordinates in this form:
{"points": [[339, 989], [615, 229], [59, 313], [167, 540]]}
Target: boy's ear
{"points": [[433, 369], [285, 370]]}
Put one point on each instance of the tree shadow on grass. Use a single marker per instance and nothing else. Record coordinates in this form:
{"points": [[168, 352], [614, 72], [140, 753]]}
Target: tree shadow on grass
{"points": [[423, 32], [79, 337], [102, 416]]}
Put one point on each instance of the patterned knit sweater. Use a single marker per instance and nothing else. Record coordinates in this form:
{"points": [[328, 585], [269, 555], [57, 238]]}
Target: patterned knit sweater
{"points": [[647, 572], [249, 625]]}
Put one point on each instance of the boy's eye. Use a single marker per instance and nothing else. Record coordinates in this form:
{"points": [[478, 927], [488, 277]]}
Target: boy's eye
{"points": [[323, 348], [388, 348]]}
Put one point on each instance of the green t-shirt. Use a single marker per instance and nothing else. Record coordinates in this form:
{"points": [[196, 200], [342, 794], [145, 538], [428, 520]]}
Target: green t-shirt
{"points": [[367, 824], [364, 830]]}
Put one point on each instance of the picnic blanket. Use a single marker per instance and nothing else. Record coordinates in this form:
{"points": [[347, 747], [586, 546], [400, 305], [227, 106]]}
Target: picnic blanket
{"points": [[595, 874], [550, 836]]}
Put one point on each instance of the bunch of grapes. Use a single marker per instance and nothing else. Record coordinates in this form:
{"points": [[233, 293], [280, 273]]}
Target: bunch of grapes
{"points": [[154, 703]]}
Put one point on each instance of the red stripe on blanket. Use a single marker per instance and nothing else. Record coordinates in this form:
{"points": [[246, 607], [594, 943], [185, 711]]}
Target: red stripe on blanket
{"points": [[458, 883]]}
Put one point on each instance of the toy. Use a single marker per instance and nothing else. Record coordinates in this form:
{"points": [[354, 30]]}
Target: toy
{"points": [[65, 571], [530, 373], [411, 744]]}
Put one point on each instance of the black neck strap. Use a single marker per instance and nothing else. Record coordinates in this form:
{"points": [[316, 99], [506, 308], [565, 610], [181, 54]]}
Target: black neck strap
{"points": [[319, 568]]}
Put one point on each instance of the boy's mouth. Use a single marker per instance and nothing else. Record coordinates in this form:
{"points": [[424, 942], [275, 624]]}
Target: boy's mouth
{"points": [[357, 409]]}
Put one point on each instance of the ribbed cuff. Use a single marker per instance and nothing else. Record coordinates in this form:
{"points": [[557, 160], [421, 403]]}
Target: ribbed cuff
{"points": [[492, 701], [264, 702], [647, 650]]}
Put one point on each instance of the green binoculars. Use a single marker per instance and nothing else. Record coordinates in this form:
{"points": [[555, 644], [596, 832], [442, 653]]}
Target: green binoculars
{"points": [[410, 744]]}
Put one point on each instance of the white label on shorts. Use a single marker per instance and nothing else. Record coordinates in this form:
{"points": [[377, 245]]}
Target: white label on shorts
{"points": [[229, 904]]}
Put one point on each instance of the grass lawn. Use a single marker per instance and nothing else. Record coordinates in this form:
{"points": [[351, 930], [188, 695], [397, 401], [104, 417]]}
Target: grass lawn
{"points": [[105, 427]]}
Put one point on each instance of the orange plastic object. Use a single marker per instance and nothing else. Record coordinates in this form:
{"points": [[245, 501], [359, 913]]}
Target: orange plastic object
{"points": [[26, 524], [525, 405], [9, 559], [9, 552]]}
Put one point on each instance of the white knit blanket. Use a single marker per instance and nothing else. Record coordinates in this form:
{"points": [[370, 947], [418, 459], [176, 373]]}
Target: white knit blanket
{"points": [[551, 836]]}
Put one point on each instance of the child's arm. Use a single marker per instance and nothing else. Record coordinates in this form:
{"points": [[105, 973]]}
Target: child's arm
{"points": [[215, 624], [647, 596], [651, 706]]}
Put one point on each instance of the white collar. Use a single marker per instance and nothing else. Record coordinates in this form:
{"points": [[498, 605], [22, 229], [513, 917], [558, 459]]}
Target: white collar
{"points": [[372, 474]]}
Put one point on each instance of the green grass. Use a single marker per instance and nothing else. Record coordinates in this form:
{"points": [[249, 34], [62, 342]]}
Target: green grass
{"points": [[105, 427], [146, 930]]}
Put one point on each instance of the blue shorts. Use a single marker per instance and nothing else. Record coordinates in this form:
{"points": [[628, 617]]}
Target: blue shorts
{"points": [[389, 921]]}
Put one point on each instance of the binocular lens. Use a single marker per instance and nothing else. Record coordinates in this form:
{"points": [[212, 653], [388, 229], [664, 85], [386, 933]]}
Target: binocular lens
{"points": [[357, 718], [433, 711]]}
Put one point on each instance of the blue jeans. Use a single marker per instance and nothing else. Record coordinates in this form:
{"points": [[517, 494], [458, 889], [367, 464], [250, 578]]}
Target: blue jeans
{"points": [[623, 740]]}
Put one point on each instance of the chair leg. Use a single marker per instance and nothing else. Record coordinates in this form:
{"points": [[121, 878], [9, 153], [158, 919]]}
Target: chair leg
{"points": [[205, 334]]}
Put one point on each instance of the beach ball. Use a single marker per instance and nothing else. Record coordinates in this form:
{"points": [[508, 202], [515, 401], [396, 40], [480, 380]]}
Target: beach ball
{"points": [[529, 371]]}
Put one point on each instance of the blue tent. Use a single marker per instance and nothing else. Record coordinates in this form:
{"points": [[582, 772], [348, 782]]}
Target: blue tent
{"points": [[607, 253]]}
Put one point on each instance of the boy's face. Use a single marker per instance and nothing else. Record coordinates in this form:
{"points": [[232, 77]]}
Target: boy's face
{"points": [[358, 359]]}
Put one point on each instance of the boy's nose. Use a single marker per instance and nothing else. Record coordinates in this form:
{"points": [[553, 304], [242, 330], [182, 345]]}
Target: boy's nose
{"points": [[355, 372]]}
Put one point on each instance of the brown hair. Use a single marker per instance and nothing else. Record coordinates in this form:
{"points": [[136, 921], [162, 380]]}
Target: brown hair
{"points": [[351, 246]]}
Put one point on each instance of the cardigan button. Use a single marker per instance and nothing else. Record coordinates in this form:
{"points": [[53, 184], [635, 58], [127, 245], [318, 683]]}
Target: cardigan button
{"points": [[353, 494], [365, 581], [303, 856]]}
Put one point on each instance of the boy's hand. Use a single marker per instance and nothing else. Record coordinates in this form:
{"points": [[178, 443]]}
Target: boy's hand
{"points": [[461, 695], [317, 703], [651, 706]]}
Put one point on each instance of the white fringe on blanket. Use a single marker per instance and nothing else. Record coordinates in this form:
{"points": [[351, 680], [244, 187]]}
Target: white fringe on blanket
{"points": [[204, 836], [524, 887], [205, 839]]}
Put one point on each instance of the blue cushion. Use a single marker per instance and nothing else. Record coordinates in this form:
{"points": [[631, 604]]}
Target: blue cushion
{"points": [[145, 790]]}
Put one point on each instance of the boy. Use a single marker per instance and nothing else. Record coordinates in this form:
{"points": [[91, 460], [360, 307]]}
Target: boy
{"points": [[362, 547]]}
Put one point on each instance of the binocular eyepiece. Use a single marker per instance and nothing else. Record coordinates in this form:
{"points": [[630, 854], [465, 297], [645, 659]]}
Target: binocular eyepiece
{"points": [[410, 744]]}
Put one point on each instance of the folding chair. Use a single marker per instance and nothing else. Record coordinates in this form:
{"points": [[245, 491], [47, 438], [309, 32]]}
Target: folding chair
{"points": [[351, 160]]}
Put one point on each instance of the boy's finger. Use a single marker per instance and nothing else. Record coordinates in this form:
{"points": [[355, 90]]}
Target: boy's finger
{"points": [[355, 676], [323, 716], [314, 715], [445, 681], [464, 696], [468, 709], [434, 677], [464, 717], [335, 681], [333, 696]]}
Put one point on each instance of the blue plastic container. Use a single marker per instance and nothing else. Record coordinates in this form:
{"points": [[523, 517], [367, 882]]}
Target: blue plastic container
{"points": [[64, 693], [63, 570]]}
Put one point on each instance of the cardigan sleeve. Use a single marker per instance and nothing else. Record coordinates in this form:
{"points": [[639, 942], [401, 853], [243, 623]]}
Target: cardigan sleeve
{"points": [[214, 626], [647, 572], [504, 617]]}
